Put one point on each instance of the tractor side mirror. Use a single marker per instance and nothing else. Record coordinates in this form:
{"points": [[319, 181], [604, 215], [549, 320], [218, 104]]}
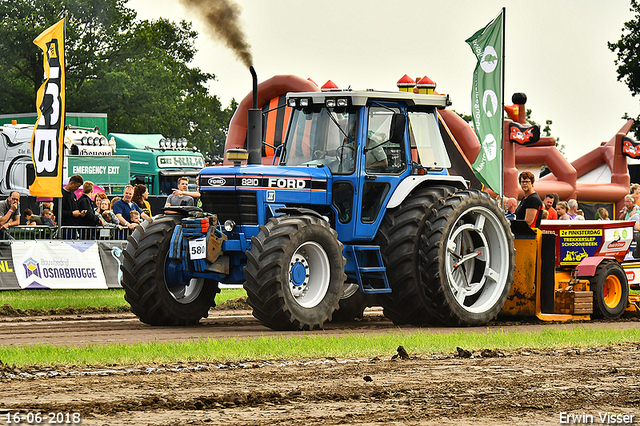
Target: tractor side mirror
{"points": [[396, 131]]}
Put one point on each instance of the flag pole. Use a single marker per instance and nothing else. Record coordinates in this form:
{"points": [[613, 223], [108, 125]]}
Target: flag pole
{"points": [[504, 12]]}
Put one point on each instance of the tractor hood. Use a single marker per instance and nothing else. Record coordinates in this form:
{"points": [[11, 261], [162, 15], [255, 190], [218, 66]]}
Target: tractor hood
{"points": [[278, 185]]}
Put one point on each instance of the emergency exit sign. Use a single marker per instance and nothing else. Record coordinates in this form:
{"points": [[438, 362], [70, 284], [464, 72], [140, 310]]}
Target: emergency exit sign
{"points": [[107, 170]]}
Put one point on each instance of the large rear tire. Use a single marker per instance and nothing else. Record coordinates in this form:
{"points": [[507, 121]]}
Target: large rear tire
{"points": [[610, 290], [467, 259], [399, 241], [155, 299], [295, 273]]}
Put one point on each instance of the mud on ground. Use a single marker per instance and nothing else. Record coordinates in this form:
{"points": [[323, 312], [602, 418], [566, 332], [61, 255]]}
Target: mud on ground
{"points": [[526, 387]]}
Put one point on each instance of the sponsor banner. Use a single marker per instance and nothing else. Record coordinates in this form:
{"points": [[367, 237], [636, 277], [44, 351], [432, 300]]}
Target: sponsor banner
{"points": [[8, 279], [576, 244], [633, 274], [617, 241], [58, 265], [486, 102], [111, 257], [48, 135]]}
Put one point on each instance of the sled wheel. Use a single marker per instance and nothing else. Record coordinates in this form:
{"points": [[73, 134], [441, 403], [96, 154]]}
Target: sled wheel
{"points": [[158, 289], [295, 273], [610, 290]]}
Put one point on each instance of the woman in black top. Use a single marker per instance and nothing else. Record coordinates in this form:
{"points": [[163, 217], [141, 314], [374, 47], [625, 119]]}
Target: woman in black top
{"points": [[530, 208]]}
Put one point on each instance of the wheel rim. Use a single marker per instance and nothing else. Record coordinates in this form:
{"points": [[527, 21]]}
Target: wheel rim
{"points": [[182, 292], [612, 291], [309, 274], [476, 256]]}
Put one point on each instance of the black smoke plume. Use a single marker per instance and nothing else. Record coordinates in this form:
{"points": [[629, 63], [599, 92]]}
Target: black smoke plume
{"points": [[221, 19]]}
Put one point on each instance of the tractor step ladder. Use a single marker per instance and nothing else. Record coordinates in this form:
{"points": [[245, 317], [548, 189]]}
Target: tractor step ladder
{"points": [[369, 265]]}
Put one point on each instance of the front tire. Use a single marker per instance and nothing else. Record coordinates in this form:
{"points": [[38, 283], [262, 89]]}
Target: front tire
{"points": [[610, 290], [155, 298], [295, 273]]}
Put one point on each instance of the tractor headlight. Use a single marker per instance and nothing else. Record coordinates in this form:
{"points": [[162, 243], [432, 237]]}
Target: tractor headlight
{"points": [[229, 225], [304, 102], [292, 102], [342, 102], [84, 140], [331, 103]]}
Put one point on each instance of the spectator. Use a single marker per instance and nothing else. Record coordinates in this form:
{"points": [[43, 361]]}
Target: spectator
{"points": [[573, 208], [530, 208], [70, 211], [86, 204], [579, 215], [562, 208], [140, 197], [182, 197], [47, 218], [113, 201], [510, 206], [603, 214], [629, 208], [122, 208], [99, 197], [545, 214], [549, 200], [46, 205], [9, 213], [30, 218], [110, 219], [135, 216]]}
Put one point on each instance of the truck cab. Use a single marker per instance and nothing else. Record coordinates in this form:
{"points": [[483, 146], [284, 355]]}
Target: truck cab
{"points": [[158, 162]]}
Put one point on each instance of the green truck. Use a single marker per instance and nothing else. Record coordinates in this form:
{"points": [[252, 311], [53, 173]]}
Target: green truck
{"points": [[156, 161]]}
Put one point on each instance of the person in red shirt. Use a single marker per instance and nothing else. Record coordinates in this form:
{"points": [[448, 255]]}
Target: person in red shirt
{"points": [[548, 206]]}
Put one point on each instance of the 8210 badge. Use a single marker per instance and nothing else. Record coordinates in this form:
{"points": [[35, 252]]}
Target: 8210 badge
{"points": [[38, 418]]}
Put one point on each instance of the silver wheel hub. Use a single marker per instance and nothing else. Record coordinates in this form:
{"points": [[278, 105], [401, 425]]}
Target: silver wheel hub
{"points": [[309, 274], [476, 259]]}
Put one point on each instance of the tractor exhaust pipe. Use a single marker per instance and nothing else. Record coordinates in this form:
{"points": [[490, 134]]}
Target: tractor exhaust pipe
{"points": [[254, 125]]}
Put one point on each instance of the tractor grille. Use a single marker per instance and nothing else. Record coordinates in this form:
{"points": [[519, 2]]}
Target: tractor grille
{"points": [[241, 207]]}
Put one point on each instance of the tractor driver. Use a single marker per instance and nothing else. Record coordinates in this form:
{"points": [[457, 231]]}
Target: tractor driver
{"points": [[375, 158]]}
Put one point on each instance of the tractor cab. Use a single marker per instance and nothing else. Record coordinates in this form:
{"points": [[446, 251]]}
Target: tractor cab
{"points": [[369, 142]]}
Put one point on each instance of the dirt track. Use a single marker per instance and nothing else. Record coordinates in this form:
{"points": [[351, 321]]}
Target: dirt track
{"points": [[525, 387]]}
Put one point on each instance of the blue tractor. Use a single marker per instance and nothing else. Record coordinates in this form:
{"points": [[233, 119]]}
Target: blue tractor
{"points": [[361, 207]]}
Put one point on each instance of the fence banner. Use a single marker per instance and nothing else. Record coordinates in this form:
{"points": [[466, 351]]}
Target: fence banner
{"points": [[58, 265], [8, 280], [111, 256]]}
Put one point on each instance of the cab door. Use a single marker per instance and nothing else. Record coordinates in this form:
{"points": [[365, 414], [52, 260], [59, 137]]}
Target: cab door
{"points": [[383, 162]]}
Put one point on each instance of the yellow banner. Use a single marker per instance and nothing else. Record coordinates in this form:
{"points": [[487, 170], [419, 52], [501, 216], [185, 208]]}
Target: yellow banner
{"points": [[48, 135]]}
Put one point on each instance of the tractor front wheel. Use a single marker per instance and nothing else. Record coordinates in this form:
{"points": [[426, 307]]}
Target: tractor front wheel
{"points": [[295, 273], [158, 289]]}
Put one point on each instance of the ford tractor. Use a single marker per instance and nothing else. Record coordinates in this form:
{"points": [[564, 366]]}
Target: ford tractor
{"points": [[360, 208]]}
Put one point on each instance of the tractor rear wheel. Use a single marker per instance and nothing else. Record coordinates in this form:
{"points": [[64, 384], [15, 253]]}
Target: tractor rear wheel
{"points": [[610, 290], [467, 259], [159, 291], [295, 273], [399, 241]]}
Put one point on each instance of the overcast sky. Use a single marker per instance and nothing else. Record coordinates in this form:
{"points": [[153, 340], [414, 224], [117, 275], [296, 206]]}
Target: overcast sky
{"points": [[556, 52]]}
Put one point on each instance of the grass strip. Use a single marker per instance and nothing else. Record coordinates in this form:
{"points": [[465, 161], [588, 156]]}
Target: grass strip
{"points": [[81, 299], [306, 345]]}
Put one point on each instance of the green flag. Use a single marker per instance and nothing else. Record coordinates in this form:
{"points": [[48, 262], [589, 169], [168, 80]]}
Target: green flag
{"points": [[486, 102]]}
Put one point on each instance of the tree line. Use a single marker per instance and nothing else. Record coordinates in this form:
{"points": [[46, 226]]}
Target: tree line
{"points": [[136, 71]]}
